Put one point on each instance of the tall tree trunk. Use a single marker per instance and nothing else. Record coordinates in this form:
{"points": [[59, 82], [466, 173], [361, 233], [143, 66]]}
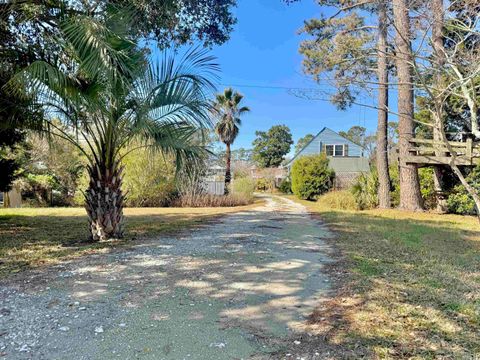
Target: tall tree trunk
{"points": [[6, 200], [410, 195], [437, 9], [382, 127], [104, 202], [228, 175]]}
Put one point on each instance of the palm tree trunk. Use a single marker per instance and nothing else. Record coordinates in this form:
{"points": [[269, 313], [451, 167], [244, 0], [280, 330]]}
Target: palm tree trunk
{"points": [[104, 202], [228, 175], [410, 195], [382, 127]]}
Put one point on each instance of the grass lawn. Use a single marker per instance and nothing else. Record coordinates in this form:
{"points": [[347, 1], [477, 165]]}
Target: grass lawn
{"points": [[409, 285], [31, 237]]}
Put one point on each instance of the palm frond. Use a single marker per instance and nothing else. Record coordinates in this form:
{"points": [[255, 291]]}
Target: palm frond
{"points": [[177, 139], [228, 114], [243, 110], [170, 92], [99, 51]]}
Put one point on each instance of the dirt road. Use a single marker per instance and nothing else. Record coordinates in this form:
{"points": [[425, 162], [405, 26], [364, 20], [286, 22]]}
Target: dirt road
{"points": [[238, 288]]}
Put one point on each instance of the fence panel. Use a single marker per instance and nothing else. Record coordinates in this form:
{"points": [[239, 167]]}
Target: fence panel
{"points": [[215, 187]]}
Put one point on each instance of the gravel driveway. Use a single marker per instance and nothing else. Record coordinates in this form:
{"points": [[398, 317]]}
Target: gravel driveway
{"points": [[238, 288]]}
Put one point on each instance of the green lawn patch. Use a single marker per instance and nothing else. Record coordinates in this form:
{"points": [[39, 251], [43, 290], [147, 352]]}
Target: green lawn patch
{"points": [[32, 237], [411, 287]]}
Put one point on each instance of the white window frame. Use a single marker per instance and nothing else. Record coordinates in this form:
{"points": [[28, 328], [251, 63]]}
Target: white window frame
{"points": [[334, 150]]}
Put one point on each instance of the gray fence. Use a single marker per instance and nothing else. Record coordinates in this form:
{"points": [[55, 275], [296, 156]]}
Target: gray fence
{"points": [[215, 187]]}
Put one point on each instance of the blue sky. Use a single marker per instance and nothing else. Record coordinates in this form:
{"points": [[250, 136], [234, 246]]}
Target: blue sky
{"points": [[263, 50]]}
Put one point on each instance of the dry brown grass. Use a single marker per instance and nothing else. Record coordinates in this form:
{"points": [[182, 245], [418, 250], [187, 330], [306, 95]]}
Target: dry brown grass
{"points": [[34, 237], [203, 201], [338, 200], [408, 285]]}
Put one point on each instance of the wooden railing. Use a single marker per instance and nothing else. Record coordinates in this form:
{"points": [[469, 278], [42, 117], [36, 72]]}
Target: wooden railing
{"points": [[433, 152]]}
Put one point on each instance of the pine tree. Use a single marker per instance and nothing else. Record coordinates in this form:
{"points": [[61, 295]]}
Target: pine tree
{"points": [[410, 196]]}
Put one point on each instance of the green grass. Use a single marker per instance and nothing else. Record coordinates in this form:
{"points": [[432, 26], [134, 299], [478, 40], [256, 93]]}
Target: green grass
{"points": [[412, 287], [32, 237]]}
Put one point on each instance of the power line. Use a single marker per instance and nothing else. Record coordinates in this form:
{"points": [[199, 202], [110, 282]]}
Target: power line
{"points": [[362, 106], [270, 87]]}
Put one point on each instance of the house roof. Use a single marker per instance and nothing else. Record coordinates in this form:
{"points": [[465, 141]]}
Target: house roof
{"points": [[316, 136]]}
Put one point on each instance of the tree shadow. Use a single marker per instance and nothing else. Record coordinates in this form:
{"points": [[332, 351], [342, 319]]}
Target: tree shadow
{"points": [[406, 288], [29, 241]]}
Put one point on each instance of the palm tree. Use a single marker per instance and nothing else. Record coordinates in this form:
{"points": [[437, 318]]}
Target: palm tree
{"points": [[110, 97], [227, 107]]}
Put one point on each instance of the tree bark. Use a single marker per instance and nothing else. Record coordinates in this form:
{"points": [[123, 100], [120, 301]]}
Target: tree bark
{"points": [[228, 175], [382, 126], [410, 195], [437, 9], [104, 202]]}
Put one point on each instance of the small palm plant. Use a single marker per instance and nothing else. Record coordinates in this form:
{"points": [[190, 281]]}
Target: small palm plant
{"points": [[228, 109], [110, 97]]}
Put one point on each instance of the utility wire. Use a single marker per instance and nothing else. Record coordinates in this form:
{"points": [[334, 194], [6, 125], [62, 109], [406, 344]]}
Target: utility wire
{"points": [[270, 87], [361, 105]]}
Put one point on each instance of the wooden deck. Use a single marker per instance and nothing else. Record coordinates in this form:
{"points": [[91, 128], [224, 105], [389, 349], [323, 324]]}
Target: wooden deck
{"points": [[423, 152]]}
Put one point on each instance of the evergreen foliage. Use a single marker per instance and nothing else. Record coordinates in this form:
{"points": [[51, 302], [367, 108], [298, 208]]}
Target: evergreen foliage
{"points": [[311, 176]]}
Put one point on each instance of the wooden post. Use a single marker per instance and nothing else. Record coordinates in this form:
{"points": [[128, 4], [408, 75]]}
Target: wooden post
{"points": [[469, 150], [469, 147]]}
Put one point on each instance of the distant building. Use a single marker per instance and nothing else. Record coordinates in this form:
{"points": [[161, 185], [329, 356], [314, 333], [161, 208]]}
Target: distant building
{"points": [[346, 158], [11, 199]]}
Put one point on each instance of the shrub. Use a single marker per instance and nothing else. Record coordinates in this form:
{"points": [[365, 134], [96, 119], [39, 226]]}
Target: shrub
{"points": [[285, 186], [265, 184], [364, 191], [149, 179], [311, 176], [79, 197], [427, 187], [40, 190], [243, 187], [192, 193], [459, 201], [50, 170], [338, 200], [366, 187]]}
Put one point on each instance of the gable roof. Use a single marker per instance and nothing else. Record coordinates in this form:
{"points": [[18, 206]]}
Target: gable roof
{"points": [[316, 136]]}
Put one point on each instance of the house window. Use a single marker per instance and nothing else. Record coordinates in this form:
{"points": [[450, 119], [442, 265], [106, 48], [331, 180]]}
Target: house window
{"points": [[330, 150], [335, 150], [339, 150]]}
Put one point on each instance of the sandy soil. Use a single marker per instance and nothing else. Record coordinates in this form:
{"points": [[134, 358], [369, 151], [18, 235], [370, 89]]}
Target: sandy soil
{"points": [[239, 288]]}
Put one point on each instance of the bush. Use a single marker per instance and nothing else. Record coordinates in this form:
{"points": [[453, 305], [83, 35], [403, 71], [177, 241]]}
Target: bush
{"points": [[192, 192], [366, 187], [243, 188], [311, 176], [149, 179], [338, 200], [364, 191], [265, 184], [50, 171], [459, 201], [285, 186], [427, 188]]}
